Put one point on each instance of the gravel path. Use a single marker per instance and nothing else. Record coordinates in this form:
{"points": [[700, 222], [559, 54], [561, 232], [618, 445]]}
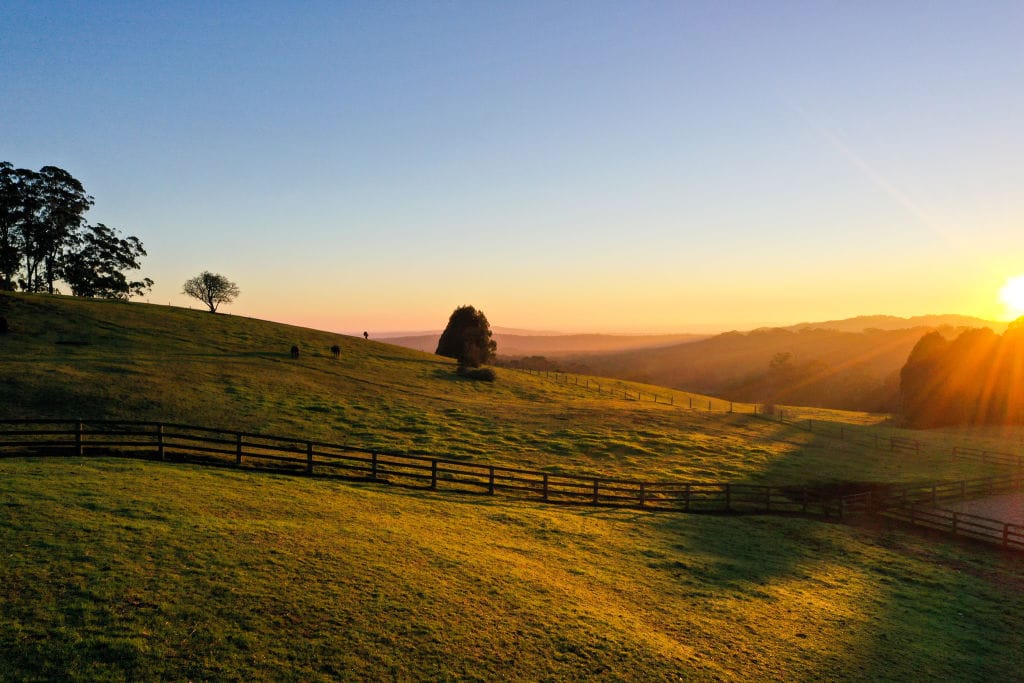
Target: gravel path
{"points": [[1008, 507]]}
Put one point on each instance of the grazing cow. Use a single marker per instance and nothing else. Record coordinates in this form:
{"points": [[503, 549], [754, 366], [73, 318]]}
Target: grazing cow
{"points": [[336, 351], [295, 352], [366, 335]]}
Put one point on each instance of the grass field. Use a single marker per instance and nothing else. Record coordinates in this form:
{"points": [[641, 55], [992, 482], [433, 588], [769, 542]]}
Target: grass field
{"points": [[129, 570], [117, 569], [137, 361]]}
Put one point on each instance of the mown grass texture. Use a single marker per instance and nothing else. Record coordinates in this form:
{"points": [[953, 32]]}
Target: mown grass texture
{"points": [[128, 570]]}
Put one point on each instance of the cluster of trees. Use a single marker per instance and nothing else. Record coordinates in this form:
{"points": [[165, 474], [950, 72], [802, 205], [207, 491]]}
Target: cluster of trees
{"points": [[973, 379], [45, 239]]}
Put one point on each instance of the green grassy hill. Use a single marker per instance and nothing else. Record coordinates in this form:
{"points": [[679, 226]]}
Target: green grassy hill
{"points": [[68, 358], [127, 570]]}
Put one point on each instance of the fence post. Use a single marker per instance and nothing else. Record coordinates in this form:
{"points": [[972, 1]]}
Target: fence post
{"points": [[433, 474], [730, 406], [672, 402], [160, 441], [373, 465], [709, 405], [596, 482], [309, 457], [490, 480], [643, 494], [545, 486], [78, 440], [691, 403], [238, 449]]}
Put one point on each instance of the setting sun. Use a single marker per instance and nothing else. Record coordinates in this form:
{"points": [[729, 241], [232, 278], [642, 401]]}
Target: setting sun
{"points": [[1012, 294]]}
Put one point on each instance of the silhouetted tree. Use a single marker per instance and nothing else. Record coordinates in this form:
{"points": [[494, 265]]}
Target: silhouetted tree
{"points": [[467, 338], [212, 289], [12, 217], [94, 266], [64, 203], [42, 238], [975, 379]]}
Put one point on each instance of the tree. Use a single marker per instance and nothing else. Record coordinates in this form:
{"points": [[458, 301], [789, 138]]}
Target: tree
{"points": [[212, 289], [11, 218], [64, 203], [93, 266], [467, 338]]}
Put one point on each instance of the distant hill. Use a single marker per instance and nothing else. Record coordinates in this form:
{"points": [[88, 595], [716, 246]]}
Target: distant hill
{"points": [[556, 345], [852, 364], [889, 322]]}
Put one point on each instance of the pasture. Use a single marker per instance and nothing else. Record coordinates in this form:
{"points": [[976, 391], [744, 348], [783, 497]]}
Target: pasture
{"points": [[117, 569]]}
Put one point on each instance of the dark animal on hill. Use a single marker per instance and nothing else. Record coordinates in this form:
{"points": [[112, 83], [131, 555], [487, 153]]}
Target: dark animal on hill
{"points": [[336, 351], [295, 352]]}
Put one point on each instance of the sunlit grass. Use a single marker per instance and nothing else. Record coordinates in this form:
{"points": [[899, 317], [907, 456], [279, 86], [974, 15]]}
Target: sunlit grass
{"points": [[160, 363], [121, 569]]}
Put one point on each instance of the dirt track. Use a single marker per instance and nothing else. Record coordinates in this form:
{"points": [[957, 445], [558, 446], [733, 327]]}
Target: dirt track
{"points": [[1006, 508]]}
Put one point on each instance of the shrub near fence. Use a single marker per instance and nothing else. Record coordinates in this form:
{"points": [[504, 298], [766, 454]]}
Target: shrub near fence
{"points": [[175, 442]]}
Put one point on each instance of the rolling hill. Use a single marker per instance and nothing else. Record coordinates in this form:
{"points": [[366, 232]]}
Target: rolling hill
{"points": [[851, 364], [555, 345], [119, 569]]}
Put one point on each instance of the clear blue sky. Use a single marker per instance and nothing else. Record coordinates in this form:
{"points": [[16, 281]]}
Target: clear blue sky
{"points": [[560, 165]]}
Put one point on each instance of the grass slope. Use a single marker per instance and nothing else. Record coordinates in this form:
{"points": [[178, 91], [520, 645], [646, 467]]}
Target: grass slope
{"points": [[127, 570], [138, 361]]}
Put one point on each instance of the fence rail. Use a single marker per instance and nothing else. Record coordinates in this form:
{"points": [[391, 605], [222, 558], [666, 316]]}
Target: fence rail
{"points": [[1009, 536], [177, 442]]}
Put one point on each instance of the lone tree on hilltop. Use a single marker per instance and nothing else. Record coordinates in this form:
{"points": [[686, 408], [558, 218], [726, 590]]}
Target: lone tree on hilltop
{"points": [[212, 289], [467, 338]]}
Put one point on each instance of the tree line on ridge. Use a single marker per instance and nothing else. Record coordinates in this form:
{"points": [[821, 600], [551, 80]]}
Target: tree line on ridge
{"points": [[45, 239]]}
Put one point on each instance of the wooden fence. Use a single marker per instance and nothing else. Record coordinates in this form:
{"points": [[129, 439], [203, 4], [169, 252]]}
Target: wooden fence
{"points": [[883, 499], [177, 442], [1009, 536]]}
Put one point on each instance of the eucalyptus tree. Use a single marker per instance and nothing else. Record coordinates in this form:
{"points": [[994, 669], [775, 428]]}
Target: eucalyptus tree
{"points": [[94, 265]]}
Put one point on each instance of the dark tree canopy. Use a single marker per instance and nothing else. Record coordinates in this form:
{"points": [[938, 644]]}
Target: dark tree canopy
{"points": [[467, 338], [212, 289], [95, 267], [978, 378], [44, 238]]}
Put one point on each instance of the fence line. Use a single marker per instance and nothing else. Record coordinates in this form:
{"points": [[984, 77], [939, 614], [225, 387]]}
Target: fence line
{"points": [[1008, 536], [845, 433], [176, 442]]}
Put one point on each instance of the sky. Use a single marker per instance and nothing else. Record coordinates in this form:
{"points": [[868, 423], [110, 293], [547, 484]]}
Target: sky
{"points": [[576, 166]]}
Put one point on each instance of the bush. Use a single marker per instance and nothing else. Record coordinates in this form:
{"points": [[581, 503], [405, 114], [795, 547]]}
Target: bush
{"points": [[481, 374]]}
